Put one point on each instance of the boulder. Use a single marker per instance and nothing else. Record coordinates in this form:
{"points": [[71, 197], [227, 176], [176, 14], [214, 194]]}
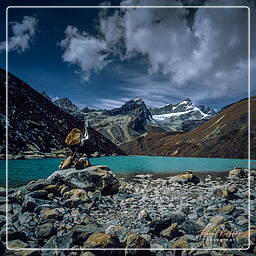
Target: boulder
{"points": [[81, 233], [170, 232], [227, 192], [188, 177], [89, 179], [156, 226], [74, 137], [236, 173], [46, 231], [134, 241], [101, 240]]}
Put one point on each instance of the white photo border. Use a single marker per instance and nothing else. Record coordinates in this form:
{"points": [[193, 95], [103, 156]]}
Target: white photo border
{"points": [[134, 249]]}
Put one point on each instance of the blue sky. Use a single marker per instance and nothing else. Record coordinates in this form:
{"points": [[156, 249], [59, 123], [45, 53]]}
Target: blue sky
{"points": [[101, 58]]}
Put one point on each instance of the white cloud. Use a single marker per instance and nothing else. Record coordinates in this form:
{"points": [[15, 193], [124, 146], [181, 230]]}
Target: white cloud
{"points": [[87, 52], [23, 32], [208, 58], [110, 103]]}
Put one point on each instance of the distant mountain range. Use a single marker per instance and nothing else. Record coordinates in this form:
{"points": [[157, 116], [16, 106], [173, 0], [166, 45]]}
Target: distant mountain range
{"points": [[225, 135], [36, 124], [133, 118]]}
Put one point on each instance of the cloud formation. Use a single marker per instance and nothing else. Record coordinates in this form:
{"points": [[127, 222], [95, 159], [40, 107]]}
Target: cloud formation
{"points": [[84, 50], [23, 33], [209, 56]]}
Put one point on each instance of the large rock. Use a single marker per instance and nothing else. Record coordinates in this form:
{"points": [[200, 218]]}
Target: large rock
{"points": [[101, 240], [74, 137], [236, 173], [136, 241], [89, 179], [188, 177], [156, 226]]}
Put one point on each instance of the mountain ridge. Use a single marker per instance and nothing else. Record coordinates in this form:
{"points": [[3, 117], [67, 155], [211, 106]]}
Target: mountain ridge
{"points": [[223, 136], [36, 124]]}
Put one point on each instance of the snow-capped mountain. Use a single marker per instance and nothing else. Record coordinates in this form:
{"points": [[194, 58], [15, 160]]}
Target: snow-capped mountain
{"points": [[174, 115]]}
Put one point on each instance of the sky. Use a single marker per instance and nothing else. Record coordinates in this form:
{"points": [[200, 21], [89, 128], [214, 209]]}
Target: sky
{"points": [[102, 57]]}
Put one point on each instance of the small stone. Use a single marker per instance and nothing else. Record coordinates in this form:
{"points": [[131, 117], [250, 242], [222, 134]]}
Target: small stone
{"points": [[170, 232], [180, 243], [218, 220], [60, 241], [143, 215], [88, 254], [46, 231], [29, 204], [228, 209], [17, 244], [51, 214], [2, 191]]}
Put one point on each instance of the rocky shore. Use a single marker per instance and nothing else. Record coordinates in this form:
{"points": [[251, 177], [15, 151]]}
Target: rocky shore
{"points": [[92, 208]]}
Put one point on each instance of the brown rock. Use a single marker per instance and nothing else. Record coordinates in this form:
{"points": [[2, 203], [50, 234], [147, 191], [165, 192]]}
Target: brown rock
{"points": [[74, 137], [228, 209], [136, 241], [101, 240], [170, 232], [51, 214], [17, 244], [218, 220], [180, 243], [236, 173], [67, 163], [187, 178]]}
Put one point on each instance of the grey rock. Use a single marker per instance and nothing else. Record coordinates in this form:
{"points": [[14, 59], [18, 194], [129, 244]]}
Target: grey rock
{"points": [[64, 241], [90, 179]]}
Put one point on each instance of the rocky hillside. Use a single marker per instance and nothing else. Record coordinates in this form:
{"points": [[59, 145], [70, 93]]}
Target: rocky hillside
{"points": [[36, 124], [122, 124], [225, 135], [174, 115]]}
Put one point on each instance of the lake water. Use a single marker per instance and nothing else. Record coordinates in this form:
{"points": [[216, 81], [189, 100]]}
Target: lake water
{"points": [[23, 171]]}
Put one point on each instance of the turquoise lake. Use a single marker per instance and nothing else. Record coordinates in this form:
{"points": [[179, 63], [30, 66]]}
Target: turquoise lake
{"points": [[23, 171]]}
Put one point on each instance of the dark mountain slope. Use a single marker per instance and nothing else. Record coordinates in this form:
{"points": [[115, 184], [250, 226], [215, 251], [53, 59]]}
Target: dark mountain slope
{"points": [[225, 135], [36, 124]]}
